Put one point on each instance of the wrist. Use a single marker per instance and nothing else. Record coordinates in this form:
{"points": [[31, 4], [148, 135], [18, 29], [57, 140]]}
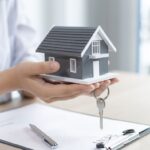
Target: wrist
{"points": [[8, 81], [14, 79]]}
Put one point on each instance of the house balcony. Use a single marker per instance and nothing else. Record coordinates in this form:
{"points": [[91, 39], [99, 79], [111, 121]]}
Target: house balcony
{"points": [[98, 56]]}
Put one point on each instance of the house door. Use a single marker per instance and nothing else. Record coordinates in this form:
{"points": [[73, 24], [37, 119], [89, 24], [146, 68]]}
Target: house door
{"points": [[96, 69]]}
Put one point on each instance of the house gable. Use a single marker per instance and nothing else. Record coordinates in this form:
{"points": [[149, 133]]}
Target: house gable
{"points": [[99, 33], [97, 48], [96, 37]]}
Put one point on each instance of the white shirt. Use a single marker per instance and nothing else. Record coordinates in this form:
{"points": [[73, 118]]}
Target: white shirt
{"points": [[16, 35]]}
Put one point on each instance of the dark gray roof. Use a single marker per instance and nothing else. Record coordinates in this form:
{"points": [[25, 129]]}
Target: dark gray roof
{"points": [[68, 40]]}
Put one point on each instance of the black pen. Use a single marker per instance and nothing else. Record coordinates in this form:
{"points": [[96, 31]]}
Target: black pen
{"points": [[14, 145], [45, 137]]}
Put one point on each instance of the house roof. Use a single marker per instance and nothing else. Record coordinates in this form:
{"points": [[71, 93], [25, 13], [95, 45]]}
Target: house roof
{"points": [[71, 40]]}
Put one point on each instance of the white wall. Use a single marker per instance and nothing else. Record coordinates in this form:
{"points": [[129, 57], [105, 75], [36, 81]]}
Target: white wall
{"points": [[64, 12], [118, 18], [75, 12]]}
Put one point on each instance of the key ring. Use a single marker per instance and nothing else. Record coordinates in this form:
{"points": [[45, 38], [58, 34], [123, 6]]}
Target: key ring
{"points": [[104, 98]]}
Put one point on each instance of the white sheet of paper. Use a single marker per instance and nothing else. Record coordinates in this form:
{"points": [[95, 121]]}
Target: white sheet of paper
{"points": [[72, 131]]}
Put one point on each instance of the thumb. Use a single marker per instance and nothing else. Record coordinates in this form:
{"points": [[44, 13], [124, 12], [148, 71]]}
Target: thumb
{"points": [[42, 67]]}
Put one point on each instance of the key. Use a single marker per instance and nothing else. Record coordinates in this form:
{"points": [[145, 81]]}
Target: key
{"points": [[101, 106]]}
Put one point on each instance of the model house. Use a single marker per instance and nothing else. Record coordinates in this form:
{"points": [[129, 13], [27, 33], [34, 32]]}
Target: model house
{"points": [[82, 52]]}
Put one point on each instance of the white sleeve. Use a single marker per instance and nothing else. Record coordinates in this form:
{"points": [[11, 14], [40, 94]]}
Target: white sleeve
{"points": [[23, 42]]}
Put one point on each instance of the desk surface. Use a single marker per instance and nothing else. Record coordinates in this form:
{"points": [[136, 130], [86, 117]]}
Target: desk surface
{"points": [[129, 100]]}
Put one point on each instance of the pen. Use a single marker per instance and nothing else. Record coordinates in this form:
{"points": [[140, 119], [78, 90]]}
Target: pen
{"points": [[121, 144], [45, 137], [14, 145]]}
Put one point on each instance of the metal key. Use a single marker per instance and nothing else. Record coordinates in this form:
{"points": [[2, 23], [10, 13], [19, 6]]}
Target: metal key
{"points": [[101, 106]]}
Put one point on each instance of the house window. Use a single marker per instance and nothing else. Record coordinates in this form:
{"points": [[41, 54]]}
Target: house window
{"points": [[96, 47], [73, 65], [51, 58]]}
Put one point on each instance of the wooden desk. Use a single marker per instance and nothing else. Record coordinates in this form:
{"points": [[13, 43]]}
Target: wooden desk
{"points": [[129, 100]]}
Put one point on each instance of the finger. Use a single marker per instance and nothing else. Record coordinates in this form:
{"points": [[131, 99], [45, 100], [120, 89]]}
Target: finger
{"points": [[63, 98], [102, 88], [97, 85], [63, 90], [44, 89], [114, 80], [36, 68], [68, 94], [111, 81]]}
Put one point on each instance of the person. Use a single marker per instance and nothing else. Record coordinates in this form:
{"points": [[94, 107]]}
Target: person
{"points": [[18, 72]]}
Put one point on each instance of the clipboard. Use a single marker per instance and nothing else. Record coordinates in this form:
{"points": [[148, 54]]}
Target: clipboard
{"points": [[70, 130], [122, 141]]}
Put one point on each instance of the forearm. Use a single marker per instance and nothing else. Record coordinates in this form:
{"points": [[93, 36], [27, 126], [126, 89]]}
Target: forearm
{"points": [[8, 81]]}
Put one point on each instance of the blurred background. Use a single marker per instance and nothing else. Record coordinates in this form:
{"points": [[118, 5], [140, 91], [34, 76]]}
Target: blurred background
{"points": [[126, 22]]}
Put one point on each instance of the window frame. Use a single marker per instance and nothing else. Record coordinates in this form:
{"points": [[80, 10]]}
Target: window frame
{"points": [[73, 65], [96, 47], [51, 58]]}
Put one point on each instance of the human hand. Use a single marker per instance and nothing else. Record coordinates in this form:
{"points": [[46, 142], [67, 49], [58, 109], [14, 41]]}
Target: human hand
{"points": [[28, 79], [26, 95], [102, 86]]}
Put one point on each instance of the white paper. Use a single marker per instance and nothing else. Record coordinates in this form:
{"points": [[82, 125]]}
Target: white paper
{"points": [[72, 131]]}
